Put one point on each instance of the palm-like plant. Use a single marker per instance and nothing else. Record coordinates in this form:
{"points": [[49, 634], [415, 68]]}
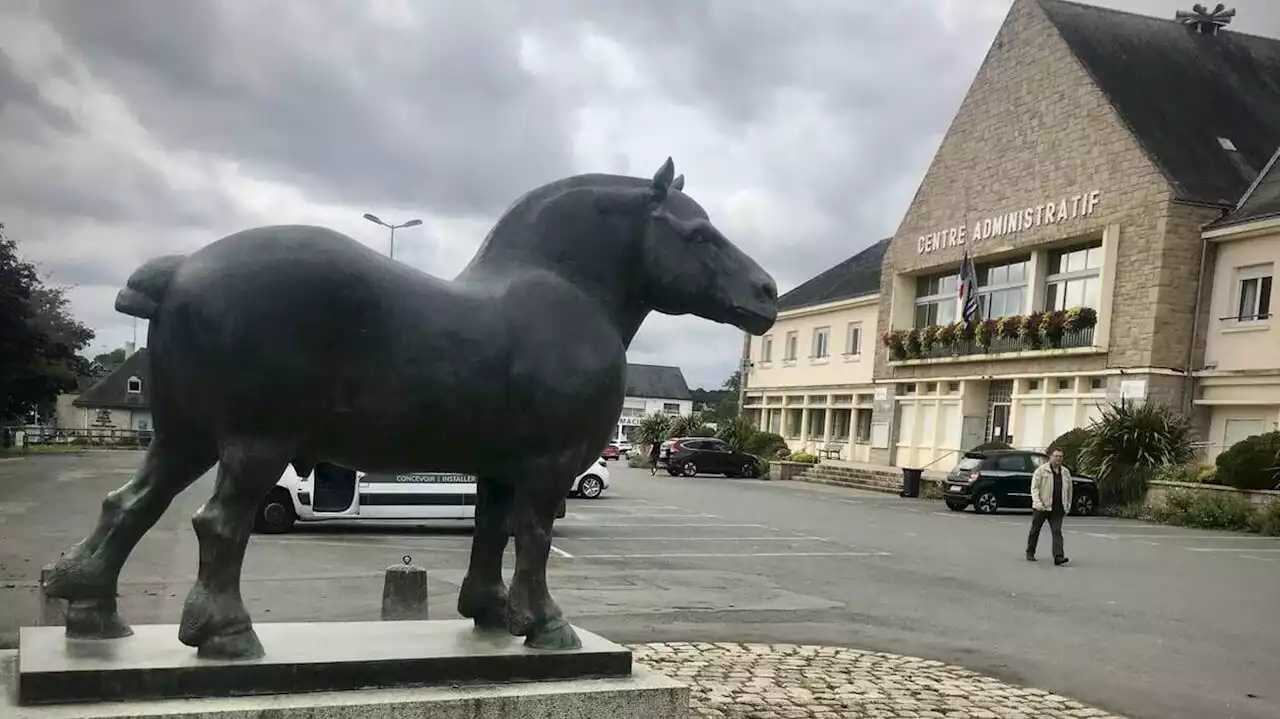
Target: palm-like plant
{"points": [[653, 429], [689, 425], [737, 433], [1129, 442]]}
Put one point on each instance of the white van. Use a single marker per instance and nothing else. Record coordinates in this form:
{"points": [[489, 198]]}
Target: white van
{"points": [[334, 493]]}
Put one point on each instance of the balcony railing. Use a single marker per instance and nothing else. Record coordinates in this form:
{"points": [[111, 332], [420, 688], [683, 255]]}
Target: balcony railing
{"points": [[1002, 345]]}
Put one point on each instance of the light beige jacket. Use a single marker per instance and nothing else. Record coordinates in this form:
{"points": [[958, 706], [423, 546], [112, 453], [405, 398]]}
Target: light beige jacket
{"points": [[1042, 488]]}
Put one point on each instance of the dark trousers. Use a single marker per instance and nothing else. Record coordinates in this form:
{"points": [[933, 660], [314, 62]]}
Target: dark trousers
{"points": [[1055, 526]]}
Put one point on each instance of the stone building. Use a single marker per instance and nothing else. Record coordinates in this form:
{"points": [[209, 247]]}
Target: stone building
{"points": [[1091, 150], [1097, 180], [809, 378]]}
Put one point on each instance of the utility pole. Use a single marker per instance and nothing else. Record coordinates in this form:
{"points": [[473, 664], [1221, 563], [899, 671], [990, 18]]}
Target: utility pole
{"points": [[374, 219]]}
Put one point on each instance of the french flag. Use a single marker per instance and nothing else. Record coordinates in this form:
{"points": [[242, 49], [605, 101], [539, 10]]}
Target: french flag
{"points": [[968, 291]]}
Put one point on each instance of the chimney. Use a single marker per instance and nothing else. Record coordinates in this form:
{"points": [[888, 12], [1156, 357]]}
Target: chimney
{"points": [[1204, 21], [129, 349]]}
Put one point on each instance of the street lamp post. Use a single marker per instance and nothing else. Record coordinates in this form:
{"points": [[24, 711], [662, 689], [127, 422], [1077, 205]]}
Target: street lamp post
{"points": [[374, 219]]}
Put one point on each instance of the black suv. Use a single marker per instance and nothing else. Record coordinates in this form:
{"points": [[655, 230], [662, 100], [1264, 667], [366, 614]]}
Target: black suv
{"points": [[688, 456], [996, 479]]}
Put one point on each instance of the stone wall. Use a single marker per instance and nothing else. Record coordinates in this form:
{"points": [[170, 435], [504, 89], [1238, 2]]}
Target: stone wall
{"points": [[1159, 491]]}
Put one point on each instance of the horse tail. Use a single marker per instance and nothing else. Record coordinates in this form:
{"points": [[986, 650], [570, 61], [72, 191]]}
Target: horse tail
{"points": [[146, 287]]}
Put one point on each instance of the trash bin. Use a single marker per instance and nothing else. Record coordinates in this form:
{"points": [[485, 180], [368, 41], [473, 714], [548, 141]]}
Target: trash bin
{"points": [[911, 482]]}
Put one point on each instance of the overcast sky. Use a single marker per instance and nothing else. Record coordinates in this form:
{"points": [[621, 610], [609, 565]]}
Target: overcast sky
{"points": [[133, 128]]}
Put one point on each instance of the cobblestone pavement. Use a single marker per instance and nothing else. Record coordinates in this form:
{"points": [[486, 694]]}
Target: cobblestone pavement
{"points": [[786, 681]]}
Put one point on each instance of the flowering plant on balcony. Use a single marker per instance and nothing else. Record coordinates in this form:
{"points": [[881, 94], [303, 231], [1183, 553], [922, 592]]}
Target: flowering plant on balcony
{"points": [[1082, 318], [948, 335], [1052, 326], [1011, 327], [1031, 327], [985, 331], [896, 341], [929, 337], [914, 347]]}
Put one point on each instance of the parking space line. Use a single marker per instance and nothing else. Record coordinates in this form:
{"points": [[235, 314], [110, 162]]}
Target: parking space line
{"points": [[561, 552], [769, 538], [668, 524], [1232, 549], [1143, 541], [612, 517], [1260, 559], [363, 544], [718, 555]]}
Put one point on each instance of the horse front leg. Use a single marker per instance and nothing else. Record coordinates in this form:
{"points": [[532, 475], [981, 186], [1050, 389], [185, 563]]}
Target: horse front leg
{"points": [[531, 612], [483, 596], [214, 617], [88, 574]]}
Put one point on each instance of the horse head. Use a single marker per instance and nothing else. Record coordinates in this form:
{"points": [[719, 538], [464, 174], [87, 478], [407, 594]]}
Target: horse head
{"points": [[687, 266]]}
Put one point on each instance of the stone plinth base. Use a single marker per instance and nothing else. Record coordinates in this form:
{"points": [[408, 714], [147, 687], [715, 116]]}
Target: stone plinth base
{"points": [[644, 694], [301, 657]]}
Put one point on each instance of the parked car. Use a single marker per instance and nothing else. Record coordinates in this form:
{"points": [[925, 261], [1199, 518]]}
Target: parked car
{"points": [[625, 448], [591, 483], [333, 493], [1001, 479], [611, 452], [689, 456]]}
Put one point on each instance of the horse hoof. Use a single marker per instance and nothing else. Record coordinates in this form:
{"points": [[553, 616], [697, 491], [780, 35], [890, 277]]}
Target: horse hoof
{"points": [[95, 619], [487, 609], [239, 645], [557, 635], [493, 618]]}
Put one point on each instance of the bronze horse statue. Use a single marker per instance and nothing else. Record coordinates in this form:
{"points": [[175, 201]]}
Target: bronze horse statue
{"points": [[297, 345]]}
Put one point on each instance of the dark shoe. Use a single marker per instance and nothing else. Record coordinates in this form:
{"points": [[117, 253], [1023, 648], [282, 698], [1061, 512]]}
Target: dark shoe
{"points": [[1059, 561], [1031, 557]]}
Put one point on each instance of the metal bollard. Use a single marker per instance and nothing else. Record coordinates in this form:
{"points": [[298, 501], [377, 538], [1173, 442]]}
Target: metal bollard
{"points": [[53, 611], [404, 592]]}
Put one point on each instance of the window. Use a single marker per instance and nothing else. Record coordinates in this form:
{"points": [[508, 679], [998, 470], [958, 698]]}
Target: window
{"points": [[840, 420], [1033, 385], [1074, 278], [789, 351], [1002, 288], [766, 348], [1253, 296], [1064, 385], [134, 385], [1013, 463], [1240, 429], [821, 347], [671, 407], [853, 339], [863, 435], [817, 424], [953, 386], [1097, 383], [936, 299], [632, 412]]}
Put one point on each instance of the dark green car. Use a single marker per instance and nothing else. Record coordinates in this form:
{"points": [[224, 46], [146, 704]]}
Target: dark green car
{"points": [[1001, 479]]}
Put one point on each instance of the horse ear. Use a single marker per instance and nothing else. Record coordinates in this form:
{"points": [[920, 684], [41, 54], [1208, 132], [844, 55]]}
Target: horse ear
{"points": [[678, 183], [662, 180]]}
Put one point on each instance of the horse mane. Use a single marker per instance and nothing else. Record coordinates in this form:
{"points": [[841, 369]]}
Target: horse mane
{"points": [[517, 231]]}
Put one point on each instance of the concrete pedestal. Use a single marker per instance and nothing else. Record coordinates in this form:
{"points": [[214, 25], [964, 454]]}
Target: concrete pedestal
{"points": [[339, 669]]}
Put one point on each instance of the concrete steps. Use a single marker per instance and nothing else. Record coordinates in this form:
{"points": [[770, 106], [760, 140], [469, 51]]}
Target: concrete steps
{"points": [[865, 478]]}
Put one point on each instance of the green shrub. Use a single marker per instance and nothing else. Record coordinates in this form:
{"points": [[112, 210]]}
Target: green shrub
{"points": [[737, 433], [653, 428], [1070, 443], [992, 445], [764, 466], [1177, 473], [1206, 510], [1266, 520], [1128, 443], [638, 460], [803, 457], [765, 444], [1251, 462], [1208, 475]]}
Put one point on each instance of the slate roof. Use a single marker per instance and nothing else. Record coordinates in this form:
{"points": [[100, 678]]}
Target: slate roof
{"points": [[113, 390], [1179, 91], [1261, 201], [656, 382], [857, 276]]}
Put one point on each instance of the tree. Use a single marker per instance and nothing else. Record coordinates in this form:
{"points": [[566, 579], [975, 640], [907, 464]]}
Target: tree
{"points": [[653, 429], [39, 339]]}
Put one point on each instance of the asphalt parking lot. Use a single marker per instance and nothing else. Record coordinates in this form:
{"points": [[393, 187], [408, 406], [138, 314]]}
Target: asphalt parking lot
{"points": [[1148, 621]]}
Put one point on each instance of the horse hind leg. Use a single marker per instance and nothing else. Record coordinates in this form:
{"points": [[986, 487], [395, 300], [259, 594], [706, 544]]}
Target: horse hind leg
{"points": [[87, 575], [214, 618], [483, 596]]}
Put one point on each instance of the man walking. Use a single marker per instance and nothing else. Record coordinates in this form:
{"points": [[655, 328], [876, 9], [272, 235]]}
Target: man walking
{"points": [[1050, 498], [653, 457]]}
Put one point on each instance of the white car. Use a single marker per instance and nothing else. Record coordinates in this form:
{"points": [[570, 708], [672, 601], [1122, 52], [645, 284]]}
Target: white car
{"points": [[591, 483], [333, 493]]}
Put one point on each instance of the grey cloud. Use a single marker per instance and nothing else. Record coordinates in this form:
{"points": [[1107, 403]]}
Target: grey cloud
{"points": [[434, 112]]}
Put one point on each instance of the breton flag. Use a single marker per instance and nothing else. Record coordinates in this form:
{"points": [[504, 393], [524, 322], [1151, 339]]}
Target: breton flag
{"points": [[968, 291]]}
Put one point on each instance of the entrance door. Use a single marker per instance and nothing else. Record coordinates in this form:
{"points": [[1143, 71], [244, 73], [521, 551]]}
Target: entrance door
{"points": [[1000, 430], [334, 490]]}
